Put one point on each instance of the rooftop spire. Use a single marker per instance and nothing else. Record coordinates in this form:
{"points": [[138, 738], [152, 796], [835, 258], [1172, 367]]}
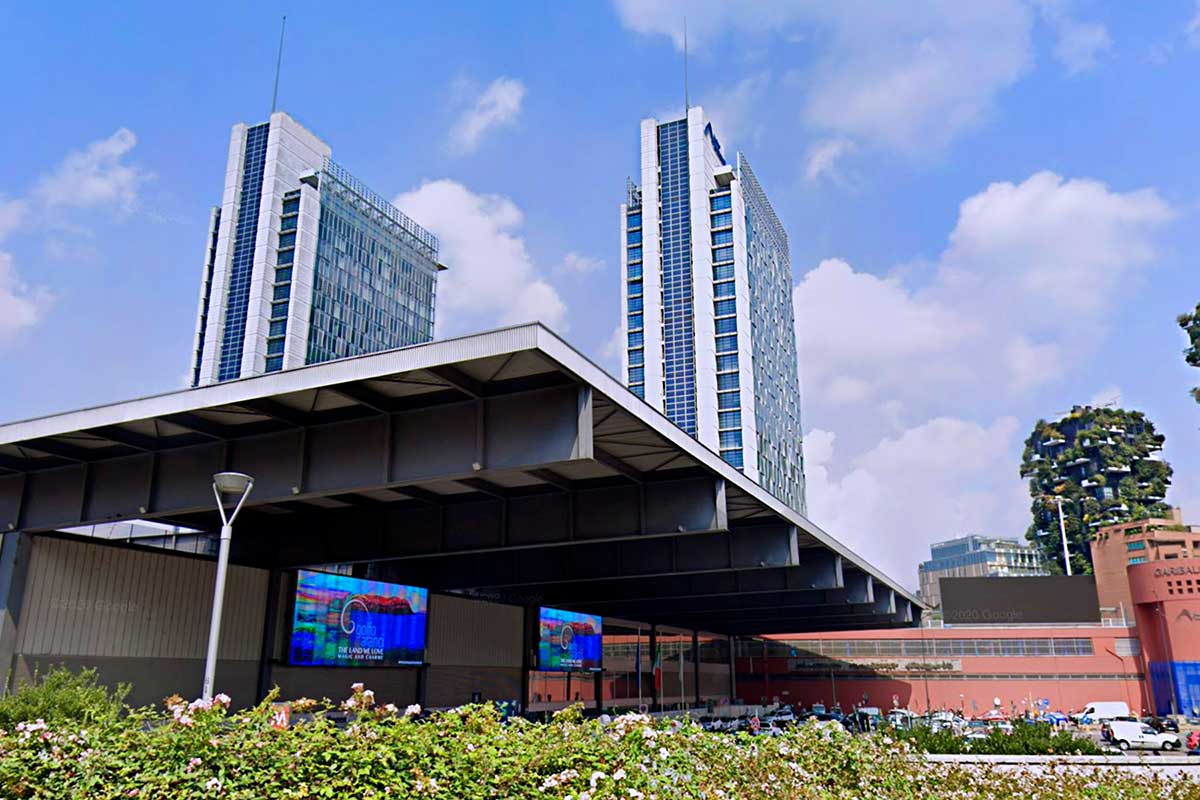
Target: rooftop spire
{"points": [[278, 65]]}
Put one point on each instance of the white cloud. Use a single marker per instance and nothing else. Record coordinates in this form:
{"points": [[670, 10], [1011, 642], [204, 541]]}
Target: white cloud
{"points": [[1079, 44], [908, 76], [928, 483], [1030, 271], [574, 262], [21, 305], [731, 109], [491, 278], [12, 214], [499, 105], [823, 157], [95, 176], [1192, 30]]}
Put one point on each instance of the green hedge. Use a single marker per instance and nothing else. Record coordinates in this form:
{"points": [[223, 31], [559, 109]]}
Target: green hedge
{"points": [[1036, 739], [194, 751]]}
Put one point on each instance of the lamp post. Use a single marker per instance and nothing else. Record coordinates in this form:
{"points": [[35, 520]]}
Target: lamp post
{"points": [[1062, 529], [224, 483]]}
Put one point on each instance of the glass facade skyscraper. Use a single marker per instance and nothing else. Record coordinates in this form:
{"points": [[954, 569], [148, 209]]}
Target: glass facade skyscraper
{"points": [[304, 263], [706, 283]]}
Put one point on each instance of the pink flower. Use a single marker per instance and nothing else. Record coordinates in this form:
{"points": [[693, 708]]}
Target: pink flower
{"points": [[412, 710], [356, 687], [223, 699], [184, 720], [214, 784]]}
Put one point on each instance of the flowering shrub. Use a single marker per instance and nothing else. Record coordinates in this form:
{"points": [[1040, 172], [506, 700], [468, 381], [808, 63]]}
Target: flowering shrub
{"points": [[194, 750]]}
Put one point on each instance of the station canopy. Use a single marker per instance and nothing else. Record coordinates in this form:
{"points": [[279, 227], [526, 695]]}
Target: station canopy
{"points": [[502, 465]]}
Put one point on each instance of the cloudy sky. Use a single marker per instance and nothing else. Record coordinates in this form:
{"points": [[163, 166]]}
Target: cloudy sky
{"points": [[992, 205]]}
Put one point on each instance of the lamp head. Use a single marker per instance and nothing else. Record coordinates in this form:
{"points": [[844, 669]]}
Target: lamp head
{"points": [[232, 482]]}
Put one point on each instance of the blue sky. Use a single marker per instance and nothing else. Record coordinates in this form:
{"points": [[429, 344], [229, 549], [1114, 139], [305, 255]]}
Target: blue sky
{"points": [[992, 206]]}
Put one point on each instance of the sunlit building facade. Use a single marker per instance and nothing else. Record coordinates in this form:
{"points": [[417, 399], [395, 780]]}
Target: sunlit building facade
{"points": [[708, 322], [303, 263]]}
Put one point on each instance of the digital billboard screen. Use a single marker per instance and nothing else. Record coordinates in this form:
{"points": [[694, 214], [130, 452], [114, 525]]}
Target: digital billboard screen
{"points": [[569, 641], [1037, 599], [350, 622]]}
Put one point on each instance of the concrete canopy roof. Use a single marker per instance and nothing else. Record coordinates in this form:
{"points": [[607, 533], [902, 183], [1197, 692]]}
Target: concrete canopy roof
{"points": [[502, 464]]}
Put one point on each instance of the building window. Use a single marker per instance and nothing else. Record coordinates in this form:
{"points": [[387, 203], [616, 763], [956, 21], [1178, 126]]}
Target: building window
{"points": [[635, 270], [1138, 560], [637, 374], [283, 275], [637, 357], [724, 308], [636, 339], [634, 254], [288, 224], [277, 328], [728, 400], [722, 237], [287, 240], [639, 390], [635, 303], [274, 363], [279, 310], [725, 289], [733, 458], [1138, 545], [635, 287], [723, 254], [274, 347], [727, 363], [728, 380], [726, 344], [720, 202], [291, 205], [286, 257], [634, 220], [729, 419], [723, 272], [727, 325], [722, 220], [635, 321], [633, 237], [281, 292]]}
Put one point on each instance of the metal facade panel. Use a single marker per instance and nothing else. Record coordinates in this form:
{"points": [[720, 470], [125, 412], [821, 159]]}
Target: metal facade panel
{"points": [[532, 428], [466, 632], [84, 599]]}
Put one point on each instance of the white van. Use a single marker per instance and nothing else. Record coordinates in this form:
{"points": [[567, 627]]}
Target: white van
{"points": [[1102, 711], [1140, 736]]}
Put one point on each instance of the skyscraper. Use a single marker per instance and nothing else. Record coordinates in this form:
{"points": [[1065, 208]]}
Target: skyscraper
{"points": [[303, 263], [706, 281]]}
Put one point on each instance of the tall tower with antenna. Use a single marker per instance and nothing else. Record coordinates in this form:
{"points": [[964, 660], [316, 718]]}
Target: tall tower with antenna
{"points": [[303, 263], [706, 293]]}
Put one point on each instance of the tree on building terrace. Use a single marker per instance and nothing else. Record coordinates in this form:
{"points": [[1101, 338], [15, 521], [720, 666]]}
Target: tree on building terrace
{"points": [[1191, 326], [1104, 464]]}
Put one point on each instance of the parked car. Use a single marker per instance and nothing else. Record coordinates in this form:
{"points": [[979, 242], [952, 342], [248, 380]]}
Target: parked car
{"points": [[783, 716], [1162, 724], [1140, 736], [901, 718]]}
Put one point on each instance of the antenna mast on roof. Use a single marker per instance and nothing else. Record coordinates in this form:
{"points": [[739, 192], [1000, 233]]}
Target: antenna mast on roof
{"points": [[686, 101], [278, 64]]}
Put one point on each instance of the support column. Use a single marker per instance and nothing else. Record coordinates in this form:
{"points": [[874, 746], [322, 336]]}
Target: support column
{"points": [[15, 552], [696, 664], [654, 698], [266, 657]]}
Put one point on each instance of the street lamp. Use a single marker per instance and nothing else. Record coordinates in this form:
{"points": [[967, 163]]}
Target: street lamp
{"points": [[224, 483], [1062, 529]]}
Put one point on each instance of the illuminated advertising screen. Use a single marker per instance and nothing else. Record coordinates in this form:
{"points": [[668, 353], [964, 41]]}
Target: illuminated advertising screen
{"points": [[568, 641], [350, 622]]}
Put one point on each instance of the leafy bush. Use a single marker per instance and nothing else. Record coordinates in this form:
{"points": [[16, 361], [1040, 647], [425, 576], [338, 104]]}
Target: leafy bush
{"points": [[200, 750], [1026, 740], [60, 696]]}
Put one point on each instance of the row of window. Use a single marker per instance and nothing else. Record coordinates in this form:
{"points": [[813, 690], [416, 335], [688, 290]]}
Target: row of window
{"points": [[916, 647], [729, 416], [281, 294]]}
